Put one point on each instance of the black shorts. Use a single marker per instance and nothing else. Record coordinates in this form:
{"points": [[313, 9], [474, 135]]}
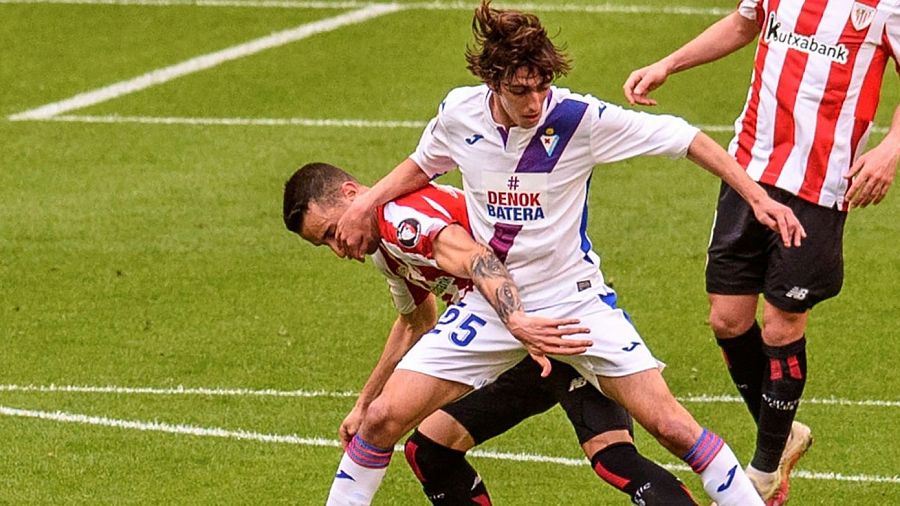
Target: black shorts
{"points": [[746, 257], [520, 393]]}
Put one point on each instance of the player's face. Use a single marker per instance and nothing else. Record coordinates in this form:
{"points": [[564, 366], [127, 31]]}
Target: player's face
{"points": [[520, 100], [320, 223], [321, 219]]}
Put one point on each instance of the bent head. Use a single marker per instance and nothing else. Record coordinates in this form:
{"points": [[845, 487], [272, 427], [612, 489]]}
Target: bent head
{"points": [[315, 198], [515, 57]]}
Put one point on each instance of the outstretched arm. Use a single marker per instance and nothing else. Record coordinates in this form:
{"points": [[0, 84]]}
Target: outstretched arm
{"points": [[406, 331], [706, 153], [873, 173], [722, 38], [352, 233], [457, 253]]}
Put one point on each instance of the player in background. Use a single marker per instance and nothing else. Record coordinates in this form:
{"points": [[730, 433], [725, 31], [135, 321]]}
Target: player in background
{"points": [[526, 150], [411, 232], [814, 90]]}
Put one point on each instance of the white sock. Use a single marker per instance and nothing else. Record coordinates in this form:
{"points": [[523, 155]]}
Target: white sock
{"points": [[723, 478], [355, 484]]}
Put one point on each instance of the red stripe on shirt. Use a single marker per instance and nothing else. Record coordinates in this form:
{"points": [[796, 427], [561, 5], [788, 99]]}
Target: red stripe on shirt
{"points": [[839, 78], [747, 136], [786, 94]]}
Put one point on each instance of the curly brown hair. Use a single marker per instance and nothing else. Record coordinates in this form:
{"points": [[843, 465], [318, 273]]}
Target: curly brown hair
{"points": [[507, 40]]}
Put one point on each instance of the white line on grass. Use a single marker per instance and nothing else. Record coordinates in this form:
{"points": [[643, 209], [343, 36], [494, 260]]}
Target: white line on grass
{"points": [[304, 122], [246, 392], [204, 62], [177, 390], [59, 416], [606, 8]]}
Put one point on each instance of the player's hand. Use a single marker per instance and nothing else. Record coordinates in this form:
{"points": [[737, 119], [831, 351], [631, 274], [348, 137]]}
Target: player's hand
{"points": [[781, 219], [352, 233], [644, 80], [545, 336], [872, 175], [350, 425]]}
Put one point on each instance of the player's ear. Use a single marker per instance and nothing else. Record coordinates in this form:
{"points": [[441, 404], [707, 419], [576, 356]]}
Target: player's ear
{"points": [[350, 189]]}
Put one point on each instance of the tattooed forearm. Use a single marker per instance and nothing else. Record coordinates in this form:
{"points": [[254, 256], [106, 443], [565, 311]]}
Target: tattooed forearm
{"points": [[487, 265], [489, 272], [508, 301]]}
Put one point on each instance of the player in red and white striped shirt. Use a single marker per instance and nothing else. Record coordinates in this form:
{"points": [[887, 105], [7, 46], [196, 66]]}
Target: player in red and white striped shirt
{"points": [[814, 90]]}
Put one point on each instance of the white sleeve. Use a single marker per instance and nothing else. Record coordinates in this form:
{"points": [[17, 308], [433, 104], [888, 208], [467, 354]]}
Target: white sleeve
{"points": [[432, 154], [751, 9], [892, 33], [618, 134], [402, 298]]}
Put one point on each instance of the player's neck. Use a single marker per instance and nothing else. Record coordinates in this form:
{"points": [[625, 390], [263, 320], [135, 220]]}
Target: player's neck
{"points": [[498, 114]]}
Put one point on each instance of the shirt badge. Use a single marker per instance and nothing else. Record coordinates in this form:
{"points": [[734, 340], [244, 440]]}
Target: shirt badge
{"points": [[408, 232], [861, 15], [549, 140]]}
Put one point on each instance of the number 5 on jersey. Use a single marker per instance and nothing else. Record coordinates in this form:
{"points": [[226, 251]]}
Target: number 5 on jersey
{"points": [[464, 331]]}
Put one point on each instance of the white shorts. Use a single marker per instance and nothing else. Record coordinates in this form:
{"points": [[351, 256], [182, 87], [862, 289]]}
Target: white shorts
{"points": [[470, 344]]}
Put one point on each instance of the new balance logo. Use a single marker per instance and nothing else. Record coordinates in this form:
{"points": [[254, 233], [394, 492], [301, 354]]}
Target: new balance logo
{"points": [[475, 138], [797, 293], [342, 475], [632, 346], [577, 383], [723, 487]]}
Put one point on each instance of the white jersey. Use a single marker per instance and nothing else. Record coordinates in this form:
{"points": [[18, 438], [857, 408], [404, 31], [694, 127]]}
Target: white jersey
{"points": [[526, 189], [814, 91]]}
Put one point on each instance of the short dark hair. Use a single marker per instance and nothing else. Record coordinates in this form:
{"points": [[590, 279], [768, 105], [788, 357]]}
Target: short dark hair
{"points": [[507, 40], [314, 182]]}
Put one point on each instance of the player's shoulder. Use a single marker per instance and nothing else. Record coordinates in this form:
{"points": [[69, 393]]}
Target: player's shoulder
{"points": [[595, 107], [433, 200], [463, 100]]}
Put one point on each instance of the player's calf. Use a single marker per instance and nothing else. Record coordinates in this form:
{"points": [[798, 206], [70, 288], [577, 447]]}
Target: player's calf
{"points": [[644, 481], [446, 477]]}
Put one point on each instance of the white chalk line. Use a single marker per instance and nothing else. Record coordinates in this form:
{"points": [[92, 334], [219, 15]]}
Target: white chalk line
{"points": [[606, 8], [204, 62], [301, 122], [176, 390], [247, 392], [244, 435]]}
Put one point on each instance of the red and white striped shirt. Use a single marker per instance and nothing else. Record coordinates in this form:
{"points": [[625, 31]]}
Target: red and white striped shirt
{"points": [[405, 256], [814, 91]]}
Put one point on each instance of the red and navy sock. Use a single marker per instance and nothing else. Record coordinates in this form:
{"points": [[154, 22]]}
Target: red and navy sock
{"points": [[446, 477], [747, 365], [643, 480], [782, 388]]}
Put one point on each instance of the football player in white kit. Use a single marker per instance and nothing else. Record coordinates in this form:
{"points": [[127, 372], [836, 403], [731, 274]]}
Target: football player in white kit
{"points": [[814, 91], [526, 150], [416, 235]]}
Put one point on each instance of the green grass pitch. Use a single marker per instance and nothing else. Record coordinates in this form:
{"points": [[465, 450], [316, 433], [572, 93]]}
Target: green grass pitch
{"points": [[153, 255]]}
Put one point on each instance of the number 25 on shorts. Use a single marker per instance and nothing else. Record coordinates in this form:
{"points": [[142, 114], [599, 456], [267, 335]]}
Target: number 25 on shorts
{"points": [[464, 331]]}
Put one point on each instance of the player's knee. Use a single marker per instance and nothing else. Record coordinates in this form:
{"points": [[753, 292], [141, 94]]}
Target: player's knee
{"points": [[726, 324], [673, 432], [782, 332], [381, 419]]}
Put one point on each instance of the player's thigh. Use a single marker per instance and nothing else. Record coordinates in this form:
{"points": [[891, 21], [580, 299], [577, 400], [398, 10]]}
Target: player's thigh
{"points": [[406, 399], [469, 345], [738, 248], [495, 408], [591, 413], [800, 277], [617, 349], [648, 399]]}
